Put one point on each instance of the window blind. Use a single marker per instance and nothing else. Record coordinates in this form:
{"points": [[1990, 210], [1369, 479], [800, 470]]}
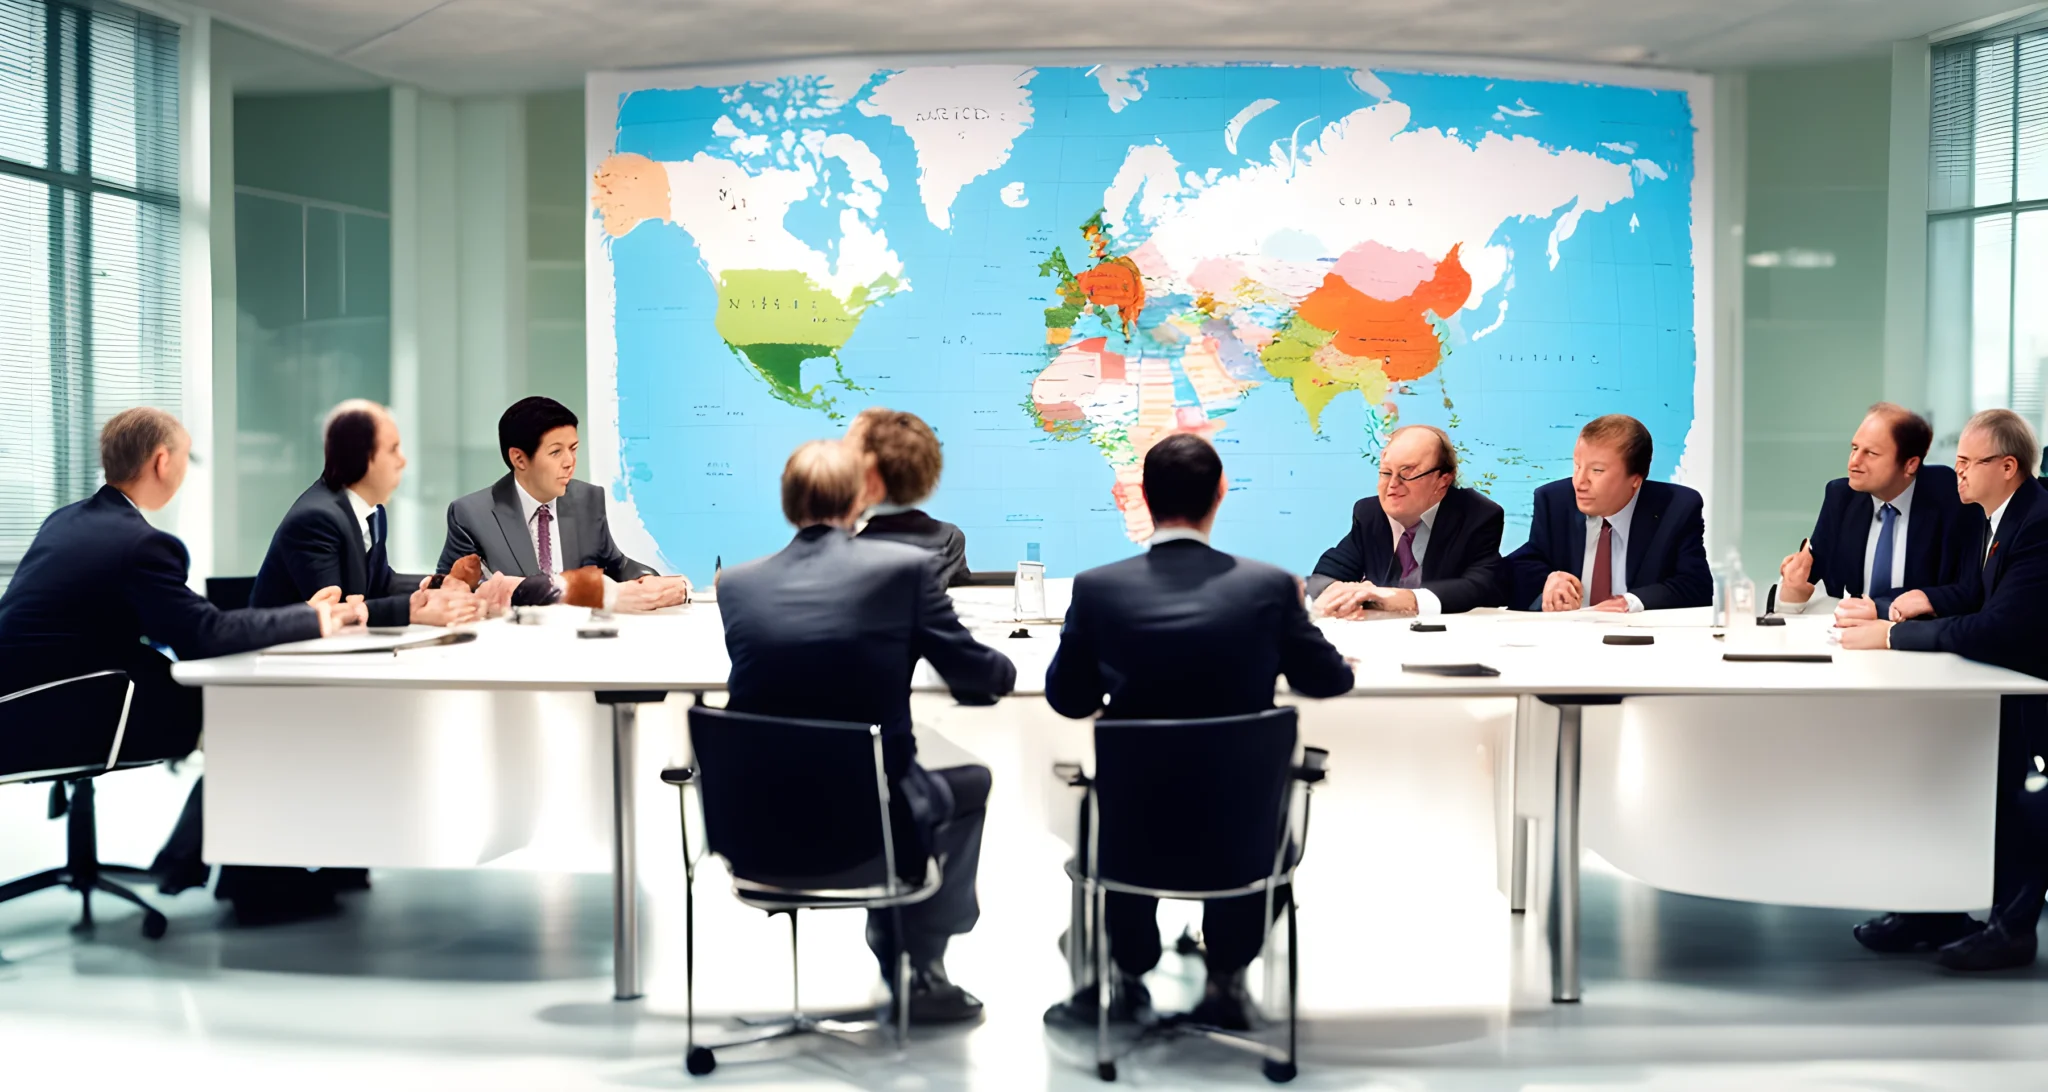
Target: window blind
{"points": [[88, 244]]}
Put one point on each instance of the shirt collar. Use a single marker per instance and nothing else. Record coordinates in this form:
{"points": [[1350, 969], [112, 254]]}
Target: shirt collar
{"points": [[362, 508], [1177, 534], [1903, 502], [1619, 521], [887, 509], [527, 505], [2000, 512], [1428, 520]]}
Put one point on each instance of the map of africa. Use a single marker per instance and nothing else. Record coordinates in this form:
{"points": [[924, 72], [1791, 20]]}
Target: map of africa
{"points": [[1057, 266]]}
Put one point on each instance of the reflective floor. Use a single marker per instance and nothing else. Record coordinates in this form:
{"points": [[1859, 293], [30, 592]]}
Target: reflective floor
{"points": [[500, 980]]}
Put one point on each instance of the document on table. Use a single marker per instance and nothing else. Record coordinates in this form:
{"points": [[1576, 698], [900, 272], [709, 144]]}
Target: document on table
{"points": [[362, 642]]}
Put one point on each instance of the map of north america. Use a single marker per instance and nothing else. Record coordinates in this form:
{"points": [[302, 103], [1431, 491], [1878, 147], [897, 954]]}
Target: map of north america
{"points": [[1059, 266]]}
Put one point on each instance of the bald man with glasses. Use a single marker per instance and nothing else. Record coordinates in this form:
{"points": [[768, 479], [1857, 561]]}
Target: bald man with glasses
{"points": [[1423, 545]]}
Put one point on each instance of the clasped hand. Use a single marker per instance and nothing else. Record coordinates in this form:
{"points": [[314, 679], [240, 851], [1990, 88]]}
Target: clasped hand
{"points": [[1351, 601]]}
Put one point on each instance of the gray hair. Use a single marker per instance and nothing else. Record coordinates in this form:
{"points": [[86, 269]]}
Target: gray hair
{"points": [[2009, 434]]}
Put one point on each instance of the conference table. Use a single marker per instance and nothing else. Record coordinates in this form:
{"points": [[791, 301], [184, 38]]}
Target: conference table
{"points": [[313, 757]]}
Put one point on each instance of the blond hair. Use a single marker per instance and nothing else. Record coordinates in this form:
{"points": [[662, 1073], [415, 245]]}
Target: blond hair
{"points": [[820, 483], [130, 439]]}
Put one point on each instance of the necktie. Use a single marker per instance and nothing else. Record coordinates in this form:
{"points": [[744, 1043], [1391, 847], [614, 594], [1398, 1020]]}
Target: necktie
{"points": [[1404, 554], [374, 562], [1881, 561], [545, 519], [1603, 567], [376, 527]]}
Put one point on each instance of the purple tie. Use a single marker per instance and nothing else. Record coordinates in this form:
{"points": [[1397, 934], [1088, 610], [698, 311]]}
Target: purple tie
{"points": [[547, 545], [1404, 552]]}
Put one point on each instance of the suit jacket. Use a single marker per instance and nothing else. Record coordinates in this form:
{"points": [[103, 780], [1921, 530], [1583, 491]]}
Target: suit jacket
{"points": [[1462, 567], [1185, 631], [1994, 614], [832, 626], [1667, 547], [1942, 536], [98, 580], [320, 543], [918, 529], [490, 524]]}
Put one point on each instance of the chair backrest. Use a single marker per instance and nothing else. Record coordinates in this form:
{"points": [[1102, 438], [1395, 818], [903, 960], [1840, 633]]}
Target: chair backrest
{"points": [[230, 592], [68, 727], [794, 804], [1192, 805]]}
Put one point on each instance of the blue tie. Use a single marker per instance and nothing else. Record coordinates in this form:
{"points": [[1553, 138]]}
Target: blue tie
{"points": [[377, 528], [1881, 562], [376, 563]]}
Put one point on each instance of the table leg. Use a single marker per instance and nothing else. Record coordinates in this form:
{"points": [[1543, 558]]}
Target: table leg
{"points": [[1564, 874], [625, 866]]}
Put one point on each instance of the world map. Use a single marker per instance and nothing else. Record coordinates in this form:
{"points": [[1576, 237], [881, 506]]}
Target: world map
{"points": [[1058, 266]]}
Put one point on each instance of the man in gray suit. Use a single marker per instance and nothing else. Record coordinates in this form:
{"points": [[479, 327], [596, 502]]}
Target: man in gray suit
{"points": [[539, 519], [831, 628]]}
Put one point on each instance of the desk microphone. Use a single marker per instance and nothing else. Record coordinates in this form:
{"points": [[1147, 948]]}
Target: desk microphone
{"points": [[1771, 617]]}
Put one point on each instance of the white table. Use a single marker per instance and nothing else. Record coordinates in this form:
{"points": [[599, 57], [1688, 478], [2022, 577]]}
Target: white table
{"points": [[1560, 662]]}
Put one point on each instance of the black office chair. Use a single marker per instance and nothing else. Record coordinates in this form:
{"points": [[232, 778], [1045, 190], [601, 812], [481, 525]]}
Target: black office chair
{"points": [[748, 771], [1194, 809], [71, 732], [230, 592]]}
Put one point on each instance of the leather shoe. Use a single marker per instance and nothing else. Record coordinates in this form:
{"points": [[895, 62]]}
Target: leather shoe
{"points": [[1129, 1003], [935, 999], [1992, 948], [1896, 934], [1226, 1004]]}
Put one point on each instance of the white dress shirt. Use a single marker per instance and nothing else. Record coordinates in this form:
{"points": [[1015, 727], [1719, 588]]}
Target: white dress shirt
{"points": [[1904, 503], [1427, 605], [1176, 534], [1992, 538], [1618, 560], [363, 510], [529, 508]]}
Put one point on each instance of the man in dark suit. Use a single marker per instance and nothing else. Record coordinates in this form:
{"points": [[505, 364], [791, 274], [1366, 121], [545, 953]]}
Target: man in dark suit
{"points": [[539, 519], [1609, 538], [1185, 631], [99, 587], [1423, 545], [903, 469], [337, 532], [1995, 615], [1894, 524], [831, 628]]}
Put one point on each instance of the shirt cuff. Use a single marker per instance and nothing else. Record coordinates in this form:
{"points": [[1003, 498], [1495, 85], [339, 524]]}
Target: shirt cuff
{"points": [[1635, 606], [1427, 605]]}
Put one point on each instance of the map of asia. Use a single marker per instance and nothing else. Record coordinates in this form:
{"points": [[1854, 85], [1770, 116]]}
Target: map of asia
{"points": [[1057, 266]]}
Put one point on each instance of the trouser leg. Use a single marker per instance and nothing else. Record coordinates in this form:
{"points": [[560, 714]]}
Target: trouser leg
{"points": [[1132, 923], [1234, 930], [2021, 870], [955, 839]]}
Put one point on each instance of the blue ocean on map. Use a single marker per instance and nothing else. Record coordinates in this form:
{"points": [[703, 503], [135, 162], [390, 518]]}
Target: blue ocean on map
{"points": [[1055, 266]]}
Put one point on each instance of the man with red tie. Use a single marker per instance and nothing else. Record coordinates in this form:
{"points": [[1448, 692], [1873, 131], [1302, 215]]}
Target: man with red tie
{"points": [[1609, 538]]}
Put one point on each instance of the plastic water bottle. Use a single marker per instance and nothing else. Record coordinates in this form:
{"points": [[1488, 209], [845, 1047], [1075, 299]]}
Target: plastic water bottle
{"points": [[1741, 602], [1721, 577]]}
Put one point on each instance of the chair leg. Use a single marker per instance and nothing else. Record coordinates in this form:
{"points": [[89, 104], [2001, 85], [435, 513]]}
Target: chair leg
{"points": [[697, 1061], [1105, 1066], [1293, 982], [902, 979], [29, 885], [154, 923], [796, 1004]]}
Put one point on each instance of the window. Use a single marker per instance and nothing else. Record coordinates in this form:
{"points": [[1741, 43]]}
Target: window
{"points": [[1987, 244], [88, 244]]}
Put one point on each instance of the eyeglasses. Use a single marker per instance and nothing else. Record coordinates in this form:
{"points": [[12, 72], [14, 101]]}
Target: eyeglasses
{"points": [[1410, 478], [1963, 463]]}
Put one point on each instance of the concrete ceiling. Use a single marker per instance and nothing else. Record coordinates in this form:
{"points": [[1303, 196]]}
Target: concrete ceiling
{"points": [[485, 46]]}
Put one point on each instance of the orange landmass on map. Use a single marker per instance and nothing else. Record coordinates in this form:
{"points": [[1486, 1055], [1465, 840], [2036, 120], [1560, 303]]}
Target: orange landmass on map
{"points": [[629, 188], [1116, 283], [1397, 333]]}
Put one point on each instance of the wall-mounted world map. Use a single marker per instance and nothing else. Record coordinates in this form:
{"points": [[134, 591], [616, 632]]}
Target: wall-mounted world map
{"points": [[1056, 266]]}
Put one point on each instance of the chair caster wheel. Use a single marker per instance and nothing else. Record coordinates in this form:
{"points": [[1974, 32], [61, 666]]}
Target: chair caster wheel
{"points": [[1187, 945], [699, 1061], [1279, 1072], [154, 925], [1106, 1070]]}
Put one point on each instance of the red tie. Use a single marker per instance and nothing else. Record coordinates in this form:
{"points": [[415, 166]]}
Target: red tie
{"points": [[547, 542], [1603, 567]]}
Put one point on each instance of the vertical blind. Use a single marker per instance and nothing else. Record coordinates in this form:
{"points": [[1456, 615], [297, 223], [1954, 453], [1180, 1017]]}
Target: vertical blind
{"points": [[1988, 227], [88, 244]]}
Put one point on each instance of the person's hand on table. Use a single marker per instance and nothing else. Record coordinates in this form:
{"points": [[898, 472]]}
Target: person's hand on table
{"points": [[494, 595], [1866, 634], [1561, 591], [329, 594], [1856, 608], [1390, 600], [1795, 577], [444, 606], [334, 617], [670, 591], [1615, 605], [1342, 599], [1913, 604], [358, 611]]}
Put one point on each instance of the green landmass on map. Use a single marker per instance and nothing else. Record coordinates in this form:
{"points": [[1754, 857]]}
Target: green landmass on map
{"points": [[779, 318]]}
